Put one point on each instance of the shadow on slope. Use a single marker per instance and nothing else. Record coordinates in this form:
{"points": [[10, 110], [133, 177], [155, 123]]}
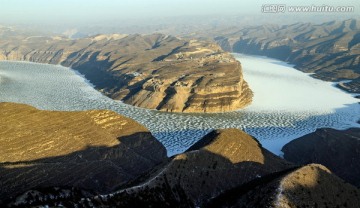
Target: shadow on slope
{"points": [[309, 186], [335, 149], [222, 160], [315, 186], [97, 168]]}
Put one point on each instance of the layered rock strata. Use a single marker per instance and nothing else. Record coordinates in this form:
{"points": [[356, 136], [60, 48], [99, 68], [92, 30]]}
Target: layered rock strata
{"points": [[149, 71]]}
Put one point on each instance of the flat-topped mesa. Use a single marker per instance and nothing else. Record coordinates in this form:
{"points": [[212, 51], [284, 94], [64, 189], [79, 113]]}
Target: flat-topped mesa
{"points": [[149, 71]]}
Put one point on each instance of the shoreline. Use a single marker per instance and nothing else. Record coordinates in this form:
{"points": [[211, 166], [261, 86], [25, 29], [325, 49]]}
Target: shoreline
{"points": [[177, 131], [335, 83]]}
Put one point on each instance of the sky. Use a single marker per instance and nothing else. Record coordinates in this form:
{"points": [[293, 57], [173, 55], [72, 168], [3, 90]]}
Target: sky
{"points": [[81, 11]]}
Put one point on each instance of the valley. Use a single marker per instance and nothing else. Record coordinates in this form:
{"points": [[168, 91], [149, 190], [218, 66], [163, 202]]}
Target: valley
{"points": [[233, 166], [261, 115], [51, 87]]}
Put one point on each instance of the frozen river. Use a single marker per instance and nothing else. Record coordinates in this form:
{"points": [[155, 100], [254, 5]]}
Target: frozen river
{"points": [[287, 103]]}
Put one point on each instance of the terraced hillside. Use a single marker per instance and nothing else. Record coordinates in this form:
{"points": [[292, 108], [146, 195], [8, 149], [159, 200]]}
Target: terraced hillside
{"points": [[150, 71]]}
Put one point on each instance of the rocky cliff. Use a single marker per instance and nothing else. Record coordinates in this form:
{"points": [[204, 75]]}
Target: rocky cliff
{"points": [[149, 71], [330, 50], [94, 150]]}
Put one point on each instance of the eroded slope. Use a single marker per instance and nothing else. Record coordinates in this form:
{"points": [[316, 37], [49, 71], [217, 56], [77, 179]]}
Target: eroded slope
{"points": [[97, 150], [150, 71]]}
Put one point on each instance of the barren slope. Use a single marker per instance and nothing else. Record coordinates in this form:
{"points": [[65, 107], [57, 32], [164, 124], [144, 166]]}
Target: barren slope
{"points": [[220, 161], [338, 150], [227, 168], [312, 185], [150, 71], [97, 150]]}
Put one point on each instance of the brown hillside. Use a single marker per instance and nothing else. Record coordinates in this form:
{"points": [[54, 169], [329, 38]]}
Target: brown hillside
{"points": [[227, 159], [97, 150], [338, 150], [149, 71]]}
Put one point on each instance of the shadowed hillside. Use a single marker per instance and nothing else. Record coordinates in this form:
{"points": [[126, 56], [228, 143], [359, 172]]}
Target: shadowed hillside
{"points": [[338, 150], [226, 168], [309, 186], [98, 150]]}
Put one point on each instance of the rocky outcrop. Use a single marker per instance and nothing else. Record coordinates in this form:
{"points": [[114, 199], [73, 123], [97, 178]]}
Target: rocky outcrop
{"points": [[330, 50], [338, 150], [149, 71], [94, 150]]}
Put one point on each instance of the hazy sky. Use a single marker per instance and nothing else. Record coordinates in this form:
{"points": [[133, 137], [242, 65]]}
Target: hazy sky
{"points": [[63, 11]]}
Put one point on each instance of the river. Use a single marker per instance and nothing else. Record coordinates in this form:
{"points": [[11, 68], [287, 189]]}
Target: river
{"points": [[287, 103]]}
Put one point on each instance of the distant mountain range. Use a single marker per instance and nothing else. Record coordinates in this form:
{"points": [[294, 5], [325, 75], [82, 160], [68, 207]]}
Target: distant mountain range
{"points": [[330, 50]]}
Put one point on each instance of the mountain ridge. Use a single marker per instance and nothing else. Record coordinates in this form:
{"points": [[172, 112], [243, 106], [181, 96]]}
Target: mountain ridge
{"points": [[338, 150], [330, 50], [230, 165]]}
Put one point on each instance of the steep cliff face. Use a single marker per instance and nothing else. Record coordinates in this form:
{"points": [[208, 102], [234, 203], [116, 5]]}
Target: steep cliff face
{"points": [[330, 50], [97, 150], [149, 71]]}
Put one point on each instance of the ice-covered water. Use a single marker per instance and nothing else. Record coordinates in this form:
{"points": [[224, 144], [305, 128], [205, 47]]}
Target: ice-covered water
{"points": [[287, 103]]}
